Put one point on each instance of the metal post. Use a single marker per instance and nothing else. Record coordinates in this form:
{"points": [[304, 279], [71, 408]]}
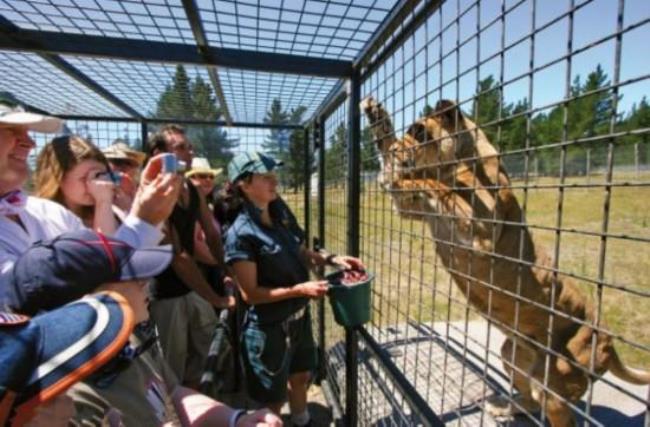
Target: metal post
{"points": [[144, 134], [588, 163], [353, 196], [636, 159], [319, 144], [307, 180]]}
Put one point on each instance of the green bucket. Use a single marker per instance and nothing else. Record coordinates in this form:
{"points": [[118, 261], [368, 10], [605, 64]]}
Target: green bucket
{"points": [[350, 304]]}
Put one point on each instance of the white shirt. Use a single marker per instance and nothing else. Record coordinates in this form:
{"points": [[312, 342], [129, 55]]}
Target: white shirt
{"points": [[44, 220]]}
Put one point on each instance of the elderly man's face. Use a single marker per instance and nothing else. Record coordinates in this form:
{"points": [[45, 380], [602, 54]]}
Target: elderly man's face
{"points": [[15, 145]]}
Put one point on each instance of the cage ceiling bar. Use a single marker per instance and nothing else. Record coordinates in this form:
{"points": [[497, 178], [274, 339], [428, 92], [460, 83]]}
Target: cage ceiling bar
{"points": [[177, 53], [192, 13]]}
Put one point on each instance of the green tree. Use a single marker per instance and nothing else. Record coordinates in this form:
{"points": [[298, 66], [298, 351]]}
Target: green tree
{"points": [[637, 118], [514, 130], [426, 111], [294, 157], [589, 115], [277, 142], [369, 152], [184, 99], [336, 155], [176, 101]]}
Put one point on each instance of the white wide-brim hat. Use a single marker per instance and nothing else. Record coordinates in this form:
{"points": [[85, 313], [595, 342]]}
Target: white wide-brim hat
{"points": [[31, 121], [202, 165]]}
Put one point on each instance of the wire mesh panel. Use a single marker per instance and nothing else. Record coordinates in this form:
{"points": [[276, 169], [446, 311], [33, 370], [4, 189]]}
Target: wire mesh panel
{"points": [[251, 93], [321, 28], [160, 20], [504, 170], [34, 81], [152, 89]]}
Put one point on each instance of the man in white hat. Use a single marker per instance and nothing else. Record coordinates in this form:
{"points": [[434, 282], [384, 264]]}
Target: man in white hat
{"points": [[25, 220]]}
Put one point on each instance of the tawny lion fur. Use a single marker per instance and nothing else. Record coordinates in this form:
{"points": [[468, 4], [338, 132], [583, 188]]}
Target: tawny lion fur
{"points": [[445, 171]]}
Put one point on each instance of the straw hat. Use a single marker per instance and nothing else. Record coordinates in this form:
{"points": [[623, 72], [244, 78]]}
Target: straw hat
{"points": [[120, 150], [202, 165]]}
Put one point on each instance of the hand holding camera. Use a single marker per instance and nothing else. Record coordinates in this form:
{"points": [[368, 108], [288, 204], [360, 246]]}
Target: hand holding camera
{"points": [[158, 190], [171, 164], [101, 187]]}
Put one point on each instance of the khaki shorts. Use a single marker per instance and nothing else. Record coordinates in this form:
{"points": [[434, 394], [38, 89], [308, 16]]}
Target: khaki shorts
{"points": [[185, 326]]}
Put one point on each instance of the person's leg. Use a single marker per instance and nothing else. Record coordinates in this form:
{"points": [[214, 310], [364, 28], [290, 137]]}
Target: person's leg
{"points": [[202, 323], [303, 365], [170, 318], [298, 385]]}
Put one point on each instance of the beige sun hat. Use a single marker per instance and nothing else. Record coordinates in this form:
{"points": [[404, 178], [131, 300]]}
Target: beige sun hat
{"points": [[120, 150], [202, 165], [13, 114]]}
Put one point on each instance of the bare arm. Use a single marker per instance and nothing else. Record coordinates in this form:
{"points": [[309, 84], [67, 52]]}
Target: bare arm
{"points": [[201, 251], [322, 258], [185, 267], [212, 235], [195, 409], [157, 194], [102, 193], [246, 274]]}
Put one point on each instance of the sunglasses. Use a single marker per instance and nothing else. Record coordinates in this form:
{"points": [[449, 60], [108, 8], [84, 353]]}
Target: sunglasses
{"points": [[203, 176], [123, 163]]}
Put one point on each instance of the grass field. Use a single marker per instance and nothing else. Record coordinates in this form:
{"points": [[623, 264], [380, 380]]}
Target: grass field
{"points": [[412, 285]]}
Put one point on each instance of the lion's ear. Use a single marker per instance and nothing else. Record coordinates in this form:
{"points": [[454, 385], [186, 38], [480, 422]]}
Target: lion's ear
{"points": [[450, 114], [418, 132]]}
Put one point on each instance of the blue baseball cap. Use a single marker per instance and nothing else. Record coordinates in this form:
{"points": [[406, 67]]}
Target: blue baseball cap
{"points": [[42, 357], [54, 272], [247, 163]]}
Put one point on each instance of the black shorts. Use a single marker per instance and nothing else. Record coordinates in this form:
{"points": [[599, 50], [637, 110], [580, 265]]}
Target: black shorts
{"points": [[272, 352]]}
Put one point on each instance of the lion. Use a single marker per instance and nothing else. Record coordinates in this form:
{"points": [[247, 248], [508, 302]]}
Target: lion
{"points": [[445, 171]]}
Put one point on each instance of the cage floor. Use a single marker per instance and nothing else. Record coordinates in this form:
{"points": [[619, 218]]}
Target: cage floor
{"points": [[448, 368]]}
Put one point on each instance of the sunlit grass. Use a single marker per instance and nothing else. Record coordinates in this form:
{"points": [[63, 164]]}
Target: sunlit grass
{"points": [[412, 285]]}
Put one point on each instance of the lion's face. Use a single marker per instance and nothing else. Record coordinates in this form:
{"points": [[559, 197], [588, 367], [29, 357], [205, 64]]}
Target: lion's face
{"points": [[433, 147]]}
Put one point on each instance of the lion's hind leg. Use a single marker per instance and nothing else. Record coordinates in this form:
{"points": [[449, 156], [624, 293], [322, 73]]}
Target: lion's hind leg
{"points": [[524, 360]]}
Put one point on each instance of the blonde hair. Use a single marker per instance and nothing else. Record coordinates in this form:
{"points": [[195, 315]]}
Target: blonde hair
{"points": [[57, 158]]}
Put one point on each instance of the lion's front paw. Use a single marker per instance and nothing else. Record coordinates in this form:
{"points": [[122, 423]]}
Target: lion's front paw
{"points": [[368, 103], [504, 408], [499, 407]]}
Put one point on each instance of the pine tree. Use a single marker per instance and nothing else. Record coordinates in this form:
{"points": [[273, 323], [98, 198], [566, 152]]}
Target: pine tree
{"points": [[187, 100], [336, 155], [277, 142], [369, 152], [294, 158], [589, 115]]}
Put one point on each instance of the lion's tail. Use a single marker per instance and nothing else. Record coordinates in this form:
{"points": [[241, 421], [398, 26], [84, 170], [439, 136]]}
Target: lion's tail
{"points": [[618, 368]]}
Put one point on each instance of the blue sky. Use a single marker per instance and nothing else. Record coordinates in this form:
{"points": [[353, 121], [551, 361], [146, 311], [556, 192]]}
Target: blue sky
{"points": [[434, 67]]}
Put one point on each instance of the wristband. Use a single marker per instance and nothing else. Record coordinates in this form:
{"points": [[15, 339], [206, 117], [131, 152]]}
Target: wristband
{"points": [[329, 259], [235, 416]]}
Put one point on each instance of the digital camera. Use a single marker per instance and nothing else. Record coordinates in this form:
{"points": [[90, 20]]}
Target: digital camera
{"points": [[171, 164], [115, 178]]}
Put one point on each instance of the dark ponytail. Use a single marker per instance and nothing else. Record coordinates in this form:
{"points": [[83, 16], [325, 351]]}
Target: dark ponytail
{"points": [[228, 203]]}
